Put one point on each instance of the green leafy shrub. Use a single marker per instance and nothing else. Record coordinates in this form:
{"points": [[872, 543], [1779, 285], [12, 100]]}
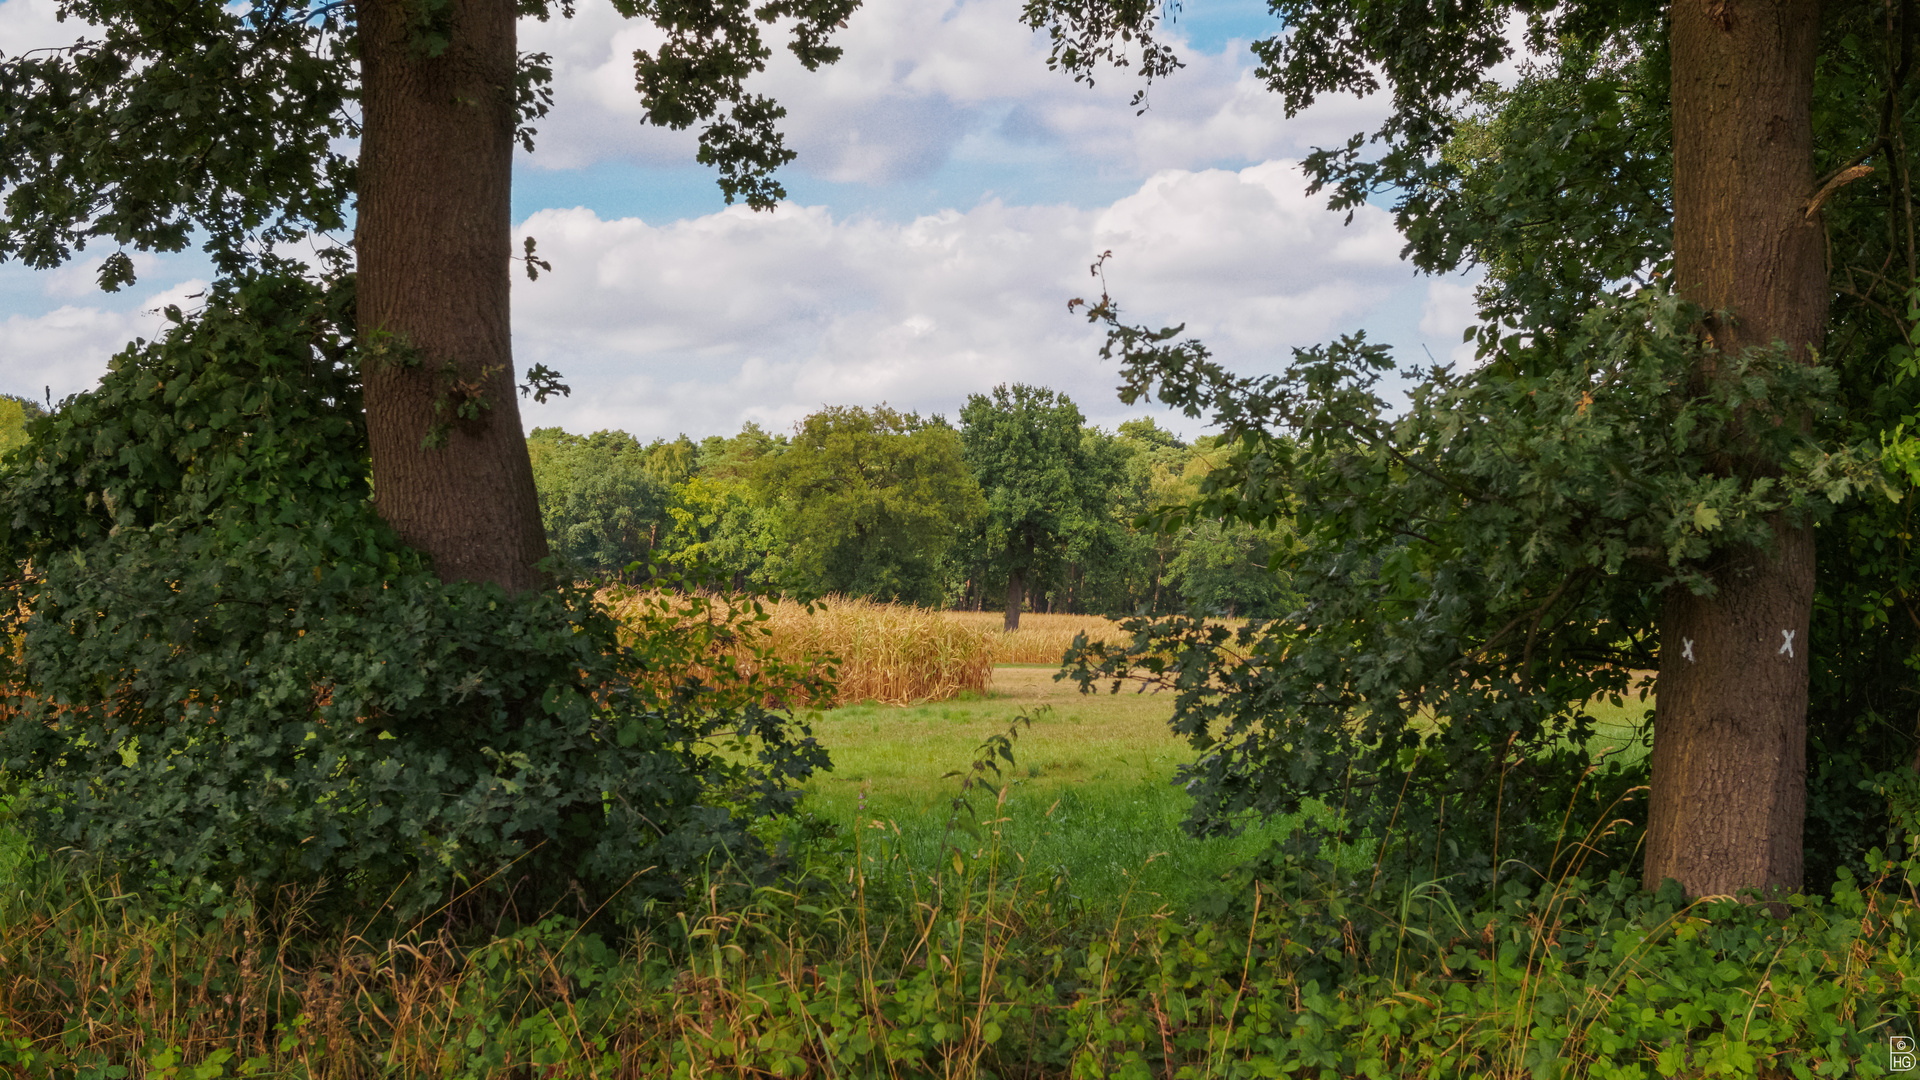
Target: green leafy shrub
{"points": [[1474, 570], [228, 669]]}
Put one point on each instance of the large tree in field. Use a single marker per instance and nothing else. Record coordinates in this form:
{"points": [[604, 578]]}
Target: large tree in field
{"points": [[1635, 476], [870, 501], [171, 123], [1024, 446]]}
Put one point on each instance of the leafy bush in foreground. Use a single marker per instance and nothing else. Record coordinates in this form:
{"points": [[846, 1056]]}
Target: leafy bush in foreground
{"points": [[228, 669], [971, 968]]}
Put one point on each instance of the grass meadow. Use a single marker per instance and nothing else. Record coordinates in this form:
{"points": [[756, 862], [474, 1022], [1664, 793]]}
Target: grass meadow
{"points": [[1090, 795], [1089, 799]]}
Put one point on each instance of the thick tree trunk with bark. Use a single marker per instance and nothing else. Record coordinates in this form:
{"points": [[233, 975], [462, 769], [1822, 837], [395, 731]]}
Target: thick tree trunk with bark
{"points": [[1729, 754], [434, 254], [1016, 599]]}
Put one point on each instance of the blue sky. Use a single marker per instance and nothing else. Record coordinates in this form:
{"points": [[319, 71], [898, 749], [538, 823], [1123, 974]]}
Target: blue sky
{"points": [[949, 195]]}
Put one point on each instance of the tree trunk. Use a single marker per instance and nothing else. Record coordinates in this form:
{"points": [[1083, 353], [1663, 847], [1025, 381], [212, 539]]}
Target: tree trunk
{"points": [[1016, 598], [433, 249], [1153, 606], [1729, 755]]}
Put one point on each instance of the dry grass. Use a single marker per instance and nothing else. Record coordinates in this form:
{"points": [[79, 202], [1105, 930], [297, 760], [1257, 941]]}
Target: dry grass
{"points": [[1041, 639], [894, 654]]}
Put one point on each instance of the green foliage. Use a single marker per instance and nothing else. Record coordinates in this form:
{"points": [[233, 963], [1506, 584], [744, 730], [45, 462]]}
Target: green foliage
{"points": [[603, 496], [1474, 570], [1222, 569], [719, 523], [174, 117], [870, 502], [133, 137], [972, 967], [1041, 486], [1558, 185], [709, 52], [714, 517], [1865, 638], [228, 669], [14, 414], [883, 505]]}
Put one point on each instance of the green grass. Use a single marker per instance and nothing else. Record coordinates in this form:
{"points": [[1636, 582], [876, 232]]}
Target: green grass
{"points": [[1090, 797], [1090, 794], [1621, 726], [1090, 785]]}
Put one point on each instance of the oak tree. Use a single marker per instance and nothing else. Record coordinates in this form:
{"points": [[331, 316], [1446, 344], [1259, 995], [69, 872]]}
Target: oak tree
{"points": [[245, 128], [870, 501], [1024, 445], [1660, 428]]}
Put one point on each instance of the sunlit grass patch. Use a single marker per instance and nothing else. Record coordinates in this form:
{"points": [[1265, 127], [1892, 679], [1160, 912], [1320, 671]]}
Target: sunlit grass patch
{"points": [[1091, 784]]}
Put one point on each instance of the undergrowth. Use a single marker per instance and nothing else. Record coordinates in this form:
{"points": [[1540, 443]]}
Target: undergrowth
{"points": [[974, 964]]}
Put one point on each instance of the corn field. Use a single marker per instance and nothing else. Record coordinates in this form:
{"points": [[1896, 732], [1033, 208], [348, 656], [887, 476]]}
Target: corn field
{"points": [[1041, 639], [890, 653]]}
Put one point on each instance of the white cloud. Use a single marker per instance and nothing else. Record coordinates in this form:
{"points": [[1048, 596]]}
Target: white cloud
{"points": [[699, 325], [80, 278], [67, 349], [922, 81], [1449, 310], [35, 24]]}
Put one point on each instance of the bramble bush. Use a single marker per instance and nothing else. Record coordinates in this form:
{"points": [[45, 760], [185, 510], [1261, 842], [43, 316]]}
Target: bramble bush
{"points": [[227, 669]]}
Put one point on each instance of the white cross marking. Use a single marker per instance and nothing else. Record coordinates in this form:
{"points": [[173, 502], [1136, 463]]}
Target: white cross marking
{"points": [[1788, 647], [1686, 653]]}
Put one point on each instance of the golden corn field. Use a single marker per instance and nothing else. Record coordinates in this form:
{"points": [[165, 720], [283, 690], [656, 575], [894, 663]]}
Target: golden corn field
{"points": [[897, 654], [890, 653], [1041, 639]]}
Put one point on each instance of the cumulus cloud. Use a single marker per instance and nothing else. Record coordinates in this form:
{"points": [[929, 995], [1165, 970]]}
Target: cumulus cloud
{"points": [[702, 324], [1449, 310], [922, 81], [65, 350]]}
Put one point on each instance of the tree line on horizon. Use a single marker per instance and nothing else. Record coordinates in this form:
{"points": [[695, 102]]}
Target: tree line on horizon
{"points": [[1021, 506]]}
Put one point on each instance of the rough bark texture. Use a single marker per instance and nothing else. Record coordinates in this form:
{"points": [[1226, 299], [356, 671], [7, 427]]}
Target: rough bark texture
{"points": [[1016, 599], [434, 249], [1729, 753]]}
